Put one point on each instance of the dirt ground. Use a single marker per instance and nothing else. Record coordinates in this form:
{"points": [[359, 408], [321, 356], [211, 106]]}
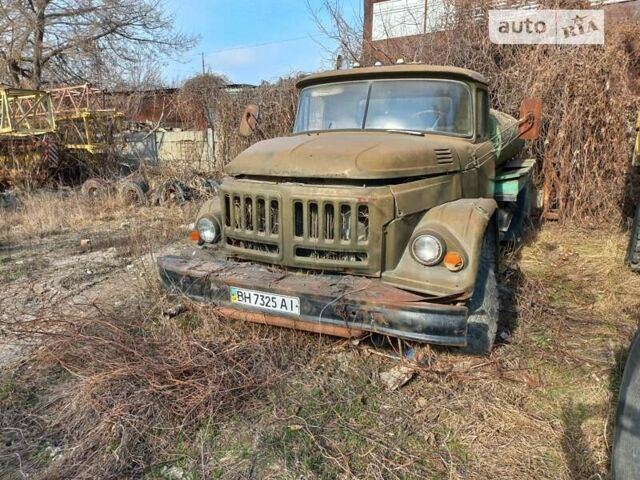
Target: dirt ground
{"points": [[294, 405]]}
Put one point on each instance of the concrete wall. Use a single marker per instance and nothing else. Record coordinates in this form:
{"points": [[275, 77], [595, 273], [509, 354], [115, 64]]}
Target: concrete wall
{"points": [[186, 147], [171, 148]]}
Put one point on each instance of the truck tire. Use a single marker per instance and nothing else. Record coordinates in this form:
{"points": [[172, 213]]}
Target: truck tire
{"points": [[134, 192], [484, 306], [633, 251], [171, 192], [625, 464], [95, 187]]}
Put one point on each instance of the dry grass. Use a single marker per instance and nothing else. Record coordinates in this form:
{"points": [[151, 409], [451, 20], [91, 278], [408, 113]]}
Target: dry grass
{"points": [[50, 214], [127, 392]]}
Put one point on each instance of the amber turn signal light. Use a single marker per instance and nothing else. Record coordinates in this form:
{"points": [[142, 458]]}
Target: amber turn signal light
{"points": [[194, 236], [453, 261]]}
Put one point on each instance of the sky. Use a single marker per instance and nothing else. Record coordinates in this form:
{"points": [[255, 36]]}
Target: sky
{"points": [[253, 40]]}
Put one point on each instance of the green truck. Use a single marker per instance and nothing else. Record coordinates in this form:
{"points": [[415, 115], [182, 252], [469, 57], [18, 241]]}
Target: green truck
{"points": [[381, 214]]}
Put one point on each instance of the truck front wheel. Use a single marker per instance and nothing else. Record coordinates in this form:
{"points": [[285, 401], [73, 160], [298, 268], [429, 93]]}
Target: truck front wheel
{"points": [[484, 306]]}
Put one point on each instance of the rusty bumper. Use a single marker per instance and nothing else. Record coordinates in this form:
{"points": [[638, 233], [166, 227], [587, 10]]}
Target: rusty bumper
{"points": [[341, 305]]}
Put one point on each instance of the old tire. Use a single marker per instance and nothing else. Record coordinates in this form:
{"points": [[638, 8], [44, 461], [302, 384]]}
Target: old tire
{"points": [[633, 250], [209, 185], [9, 201], [625, 462], [95, 187], [171, 192], [135, 193], [484, 306]]}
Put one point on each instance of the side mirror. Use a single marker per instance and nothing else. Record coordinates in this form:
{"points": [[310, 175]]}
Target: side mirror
{"points": [[249, 120], [530, 118]]}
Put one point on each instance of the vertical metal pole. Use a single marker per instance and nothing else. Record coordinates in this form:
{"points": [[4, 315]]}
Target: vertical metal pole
{"points": [[210, 149], [156, 158]]}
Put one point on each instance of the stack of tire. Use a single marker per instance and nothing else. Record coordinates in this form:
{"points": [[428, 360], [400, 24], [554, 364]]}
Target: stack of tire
{"points": [[138, 192]]}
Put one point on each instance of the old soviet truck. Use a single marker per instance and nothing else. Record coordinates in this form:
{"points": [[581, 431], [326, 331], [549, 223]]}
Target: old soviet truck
{"points": [[381, 213]]}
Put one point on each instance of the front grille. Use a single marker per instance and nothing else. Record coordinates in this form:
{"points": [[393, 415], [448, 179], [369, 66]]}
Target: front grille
{"points": [[337, 256], [254, 216], [252, 213], [253, 245], [331, 221], [299, 227]]}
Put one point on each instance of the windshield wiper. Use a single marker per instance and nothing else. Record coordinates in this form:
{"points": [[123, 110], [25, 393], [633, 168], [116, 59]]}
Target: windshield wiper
{"points": [[407, 132]]}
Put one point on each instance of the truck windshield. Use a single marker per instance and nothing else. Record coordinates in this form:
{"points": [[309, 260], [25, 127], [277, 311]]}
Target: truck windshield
{"points": [[439, 106]]}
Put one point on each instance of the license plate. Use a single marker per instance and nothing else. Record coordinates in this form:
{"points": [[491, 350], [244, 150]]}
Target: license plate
{"points": [[265, 301]]}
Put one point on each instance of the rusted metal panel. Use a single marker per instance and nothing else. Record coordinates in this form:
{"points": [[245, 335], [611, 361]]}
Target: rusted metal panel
{"points": [[530, 118], [292, 323], [344, 304]]}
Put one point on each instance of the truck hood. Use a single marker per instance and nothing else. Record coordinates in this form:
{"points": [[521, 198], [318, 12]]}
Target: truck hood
{"points": [[349, 155]]}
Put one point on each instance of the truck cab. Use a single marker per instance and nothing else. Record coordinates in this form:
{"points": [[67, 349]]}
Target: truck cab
{"points": [[380, 213]]}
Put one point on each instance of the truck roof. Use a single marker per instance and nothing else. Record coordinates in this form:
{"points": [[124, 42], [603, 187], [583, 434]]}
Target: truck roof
{"points": [[392, 71]]}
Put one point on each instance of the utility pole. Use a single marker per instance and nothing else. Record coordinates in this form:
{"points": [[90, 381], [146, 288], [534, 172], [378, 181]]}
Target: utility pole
{"points": [[202, 63]]}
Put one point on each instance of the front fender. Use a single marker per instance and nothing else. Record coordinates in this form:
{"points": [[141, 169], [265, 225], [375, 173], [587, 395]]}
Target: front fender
{"points": [[462, 224], [211, 208]]}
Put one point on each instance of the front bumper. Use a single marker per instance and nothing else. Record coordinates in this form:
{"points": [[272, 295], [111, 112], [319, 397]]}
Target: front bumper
{"points": [[342, 305]]}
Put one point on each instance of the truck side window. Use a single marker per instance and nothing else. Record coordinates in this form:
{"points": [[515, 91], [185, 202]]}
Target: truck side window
{"points": [[482, 112]]}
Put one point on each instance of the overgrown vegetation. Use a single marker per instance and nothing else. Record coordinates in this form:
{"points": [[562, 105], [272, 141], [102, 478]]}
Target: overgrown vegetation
{"points": [[114, 388], [122, 384], [590, 94]]}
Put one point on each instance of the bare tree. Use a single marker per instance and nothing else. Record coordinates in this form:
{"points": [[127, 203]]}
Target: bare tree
{"points": [[199, 98], [143, 74], [60, 41]]}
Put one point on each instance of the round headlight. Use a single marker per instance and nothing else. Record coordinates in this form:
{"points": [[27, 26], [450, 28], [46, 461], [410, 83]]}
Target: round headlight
{"points": [[428, 249], [208, 229]]}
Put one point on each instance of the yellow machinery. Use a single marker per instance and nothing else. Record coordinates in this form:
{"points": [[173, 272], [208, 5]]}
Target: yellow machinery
{"points": [[81, 124], [36, 126], [24, 113], [28, 150]]}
